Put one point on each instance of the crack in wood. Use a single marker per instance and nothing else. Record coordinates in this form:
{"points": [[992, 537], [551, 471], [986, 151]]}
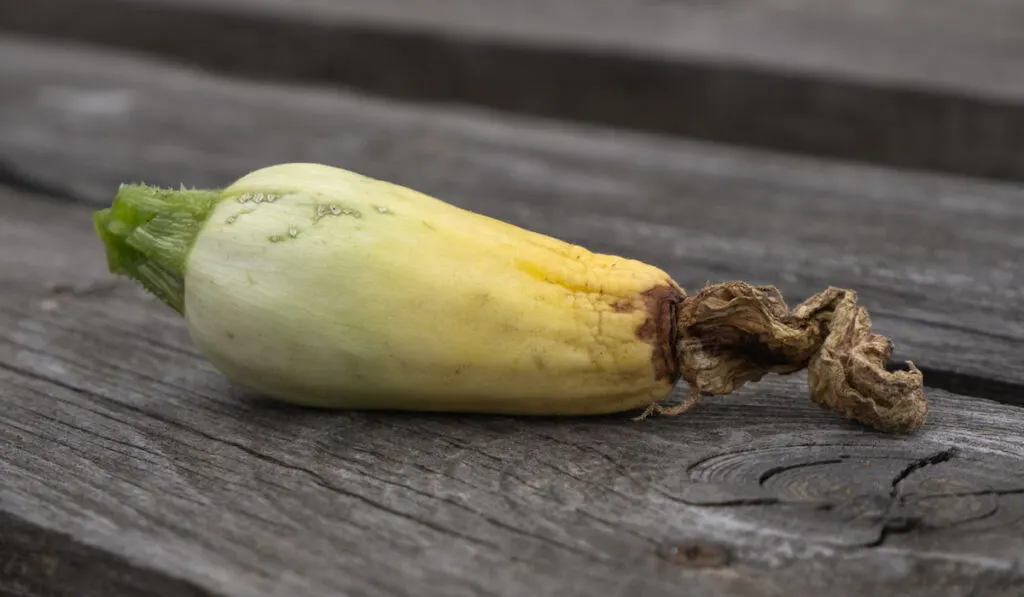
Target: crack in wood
{"points": [[1006, 392], [937, 458], [981, 492], [764, 501], [702, 461], [895, 525], [946, 325], [768, 474]]}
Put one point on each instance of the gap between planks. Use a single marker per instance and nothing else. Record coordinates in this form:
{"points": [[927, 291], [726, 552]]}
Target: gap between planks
{"points": [[885, 82]]}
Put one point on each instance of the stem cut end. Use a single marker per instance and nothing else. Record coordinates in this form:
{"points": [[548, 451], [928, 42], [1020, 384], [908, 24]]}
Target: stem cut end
{"points": [[734, 333], [147, 233]]}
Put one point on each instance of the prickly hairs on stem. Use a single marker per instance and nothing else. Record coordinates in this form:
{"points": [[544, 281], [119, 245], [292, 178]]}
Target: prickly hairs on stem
{"points": [[734, 333]]}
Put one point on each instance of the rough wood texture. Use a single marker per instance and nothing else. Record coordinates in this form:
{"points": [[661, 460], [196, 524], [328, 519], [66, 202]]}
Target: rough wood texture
{"points": [[127, 461], [935, 260], [121, 448], [921, 84]]}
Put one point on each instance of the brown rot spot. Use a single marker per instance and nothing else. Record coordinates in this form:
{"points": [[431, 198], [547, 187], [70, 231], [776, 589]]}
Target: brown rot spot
{"points": [[658, 329], [623, 306], [231, 336]]}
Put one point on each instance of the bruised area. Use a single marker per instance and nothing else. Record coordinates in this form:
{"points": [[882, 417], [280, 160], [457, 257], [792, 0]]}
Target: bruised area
{"points": [[659, 328]]}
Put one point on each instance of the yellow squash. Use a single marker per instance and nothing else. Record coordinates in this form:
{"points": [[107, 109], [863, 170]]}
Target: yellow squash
{"points": [[318, 286]]}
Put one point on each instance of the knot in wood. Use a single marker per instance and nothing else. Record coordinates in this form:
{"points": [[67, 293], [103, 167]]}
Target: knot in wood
{"points": [[695, 554]]}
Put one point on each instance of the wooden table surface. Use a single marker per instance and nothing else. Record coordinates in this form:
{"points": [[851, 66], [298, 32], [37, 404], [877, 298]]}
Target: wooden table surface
{"points": [[913, 83], [129, 466]]}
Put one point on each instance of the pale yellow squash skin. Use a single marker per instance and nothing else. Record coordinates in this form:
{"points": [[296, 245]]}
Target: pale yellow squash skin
{"points": [[391, 299]]}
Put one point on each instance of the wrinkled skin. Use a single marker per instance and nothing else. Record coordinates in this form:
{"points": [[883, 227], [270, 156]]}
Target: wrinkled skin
{"points": [[734, 333]]}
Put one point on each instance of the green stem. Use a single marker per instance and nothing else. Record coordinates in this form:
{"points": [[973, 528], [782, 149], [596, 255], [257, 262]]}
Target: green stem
{"points": [[148, 233]]}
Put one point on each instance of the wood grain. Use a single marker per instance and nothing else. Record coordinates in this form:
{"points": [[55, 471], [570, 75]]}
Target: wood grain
{"points": [[923, 85], [935, 259], [120, 440]]}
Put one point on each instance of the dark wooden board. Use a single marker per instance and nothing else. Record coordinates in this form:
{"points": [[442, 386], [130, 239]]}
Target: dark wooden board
{"points": [[123, 452], [919, 84], [936, 260]]}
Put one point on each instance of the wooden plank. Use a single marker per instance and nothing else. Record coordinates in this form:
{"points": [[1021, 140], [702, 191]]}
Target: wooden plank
{"points": [[935, 260], [922, 85], [37, 561], [116, 435]]}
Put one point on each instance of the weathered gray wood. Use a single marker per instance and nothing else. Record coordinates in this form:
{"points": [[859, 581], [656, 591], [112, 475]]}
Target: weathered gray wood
{"points": [[115, 434], [922, 84], [936, 260], [37, 561]]}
